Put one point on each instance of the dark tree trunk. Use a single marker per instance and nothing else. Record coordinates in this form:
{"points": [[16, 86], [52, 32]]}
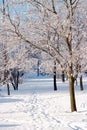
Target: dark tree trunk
{"points": [[8, 89], [63, 76], [38, 71], [72, 94], [81, 83], [13, 85], [17, 80], [55, 84]]}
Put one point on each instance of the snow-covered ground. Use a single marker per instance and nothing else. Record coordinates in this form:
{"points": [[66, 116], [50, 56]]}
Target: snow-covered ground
{"points": [[35, 106]]}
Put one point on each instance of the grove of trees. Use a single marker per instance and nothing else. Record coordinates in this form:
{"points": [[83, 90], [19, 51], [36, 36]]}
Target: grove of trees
{"points": [[57, 29]]}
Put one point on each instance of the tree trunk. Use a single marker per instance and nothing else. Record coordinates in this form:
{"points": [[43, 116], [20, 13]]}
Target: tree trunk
{"points": [[72, 94], [63, 76], [17, 80], [38, 71], [13, 85], [81, 83], [8, 89], [55, 85]]}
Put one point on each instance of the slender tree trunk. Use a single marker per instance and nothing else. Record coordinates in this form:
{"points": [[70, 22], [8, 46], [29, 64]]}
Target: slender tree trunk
{"points": [[55, 85], [17, 80], [63, 76], [8, 89], [81, 83], [72, 94], [13, 85], [4, 50], [38, 71], [54, 77]]}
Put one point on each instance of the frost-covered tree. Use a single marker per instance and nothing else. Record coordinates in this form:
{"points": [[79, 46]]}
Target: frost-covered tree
{"points": [[4, 56]]}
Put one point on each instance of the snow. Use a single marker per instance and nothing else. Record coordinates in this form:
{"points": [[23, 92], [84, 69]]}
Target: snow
{"points": [[35, 106]]}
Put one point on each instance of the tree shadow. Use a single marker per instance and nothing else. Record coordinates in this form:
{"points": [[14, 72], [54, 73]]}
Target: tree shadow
{"points": [[9, 125], [9, 100]]}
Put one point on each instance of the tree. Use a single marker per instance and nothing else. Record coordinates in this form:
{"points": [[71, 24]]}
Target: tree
{"points": [[5, 72]]}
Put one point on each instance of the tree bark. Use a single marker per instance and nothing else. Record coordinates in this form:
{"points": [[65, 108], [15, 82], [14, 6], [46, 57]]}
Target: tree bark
{"points": [[54, 77], [13, 85], [38, 71], [17, 80], [55, 85], [63, 76], [81, 83], [72, 93], [8, 89]]}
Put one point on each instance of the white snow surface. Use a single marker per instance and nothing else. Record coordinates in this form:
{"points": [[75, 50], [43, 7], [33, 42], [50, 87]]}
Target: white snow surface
{"points": [[35, 106]]}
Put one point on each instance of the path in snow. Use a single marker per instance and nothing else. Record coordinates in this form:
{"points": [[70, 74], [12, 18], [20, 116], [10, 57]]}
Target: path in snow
{"points": [[32, 109], [36, 109]]}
